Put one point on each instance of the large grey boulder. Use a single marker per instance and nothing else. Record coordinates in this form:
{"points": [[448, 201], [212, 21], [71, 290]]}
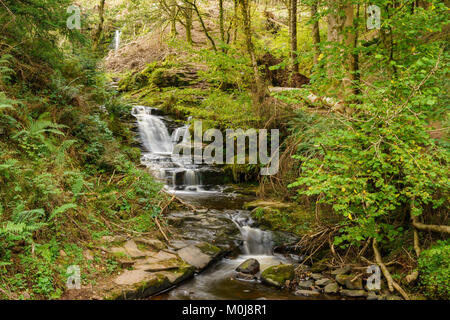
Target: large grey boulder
{"points": [[249, 266]]}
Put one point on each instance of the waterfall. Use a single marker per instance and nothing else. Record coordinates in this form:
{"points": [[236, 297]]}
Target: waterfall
{"points": [[117, 35], [256, 241], [191, 178], [152, 131]]}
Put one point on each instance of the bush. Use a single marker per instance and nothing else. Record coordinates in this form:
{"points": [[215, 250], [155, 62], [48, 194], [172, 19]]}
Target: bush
{"points": [[434, 270]]}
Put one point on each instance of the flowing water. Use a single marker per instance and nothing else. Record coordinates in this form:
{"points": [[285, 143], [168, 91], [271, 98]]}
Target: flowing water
{"points": [[203, 184]]}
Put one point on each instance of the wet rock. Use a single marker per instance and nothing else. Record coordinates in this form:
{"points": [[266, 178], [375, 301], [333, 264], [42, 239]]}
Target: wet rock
{"points": [[250, 266], [307, 293], [245, 277], [353, 293], [322, 282], [161, 266], [199, 255], [350, 282], [331, 288], [340, 271], [306, 284], [278, 275]]}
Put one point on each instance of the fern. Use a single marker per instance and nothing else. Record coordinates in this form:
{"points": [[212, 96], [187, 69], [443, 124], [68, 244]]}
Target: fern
{"points": [[62, 209]]}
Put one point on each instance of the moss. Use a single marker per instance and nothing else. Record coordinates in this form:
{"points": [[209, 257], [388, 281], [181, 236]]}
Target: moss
{"points": [[278, 275], [209, 249]]}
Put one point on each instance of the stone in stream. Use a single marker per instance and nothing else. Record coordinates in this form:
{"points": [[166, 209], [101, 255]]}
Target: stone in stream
{"points": [[249, 266], [322, 282], [372, 296], [307, 293], [316, 276], [354, 293], [278, 275], [306, 284], [350, 282], [332, 287]]}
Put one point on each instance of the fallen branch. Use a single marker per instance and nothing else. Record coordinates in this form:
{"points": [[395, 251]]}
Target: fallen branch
{"points": [[429, 227], [391, 283]]}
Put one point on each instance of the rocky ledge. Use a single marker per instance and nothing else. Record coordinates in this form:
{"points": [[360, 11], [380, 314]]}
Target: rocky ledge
{"points": [[152, 266]]}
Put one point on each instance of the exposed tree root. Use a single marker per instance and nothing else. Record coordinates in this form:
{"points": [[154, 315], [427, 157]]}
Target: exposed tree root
{"points": [[391, 283]]}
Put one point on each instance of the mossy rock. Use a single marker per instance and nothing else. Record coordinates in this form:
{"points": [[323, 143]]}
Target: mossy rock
{"points": [[278, 275]]}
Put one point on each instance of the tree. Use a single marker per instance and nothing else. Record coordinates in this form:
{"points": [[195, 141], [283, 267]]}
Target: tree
{"points": [[293, 36], [98, 33]]}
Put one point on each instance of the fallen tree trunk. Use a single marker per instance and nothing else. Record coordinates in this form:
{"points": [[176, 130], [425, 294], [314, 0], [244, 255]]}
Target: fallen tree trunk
{"points": [[429, 227]]}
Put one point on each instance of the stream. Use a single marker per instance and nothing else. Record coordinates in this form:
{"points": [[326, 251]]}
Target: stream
{"points": [[223, 220]]}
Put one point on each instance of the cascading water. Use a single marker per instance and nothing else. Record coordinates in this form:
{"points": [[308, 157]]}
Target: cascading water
{"points": [[152, 131], [159, 136], [117, 36], [178, 172]]}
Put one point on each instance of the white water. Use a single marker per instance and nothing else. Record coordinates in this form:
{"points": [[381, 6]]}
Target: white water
{"points": [[117, 36]]}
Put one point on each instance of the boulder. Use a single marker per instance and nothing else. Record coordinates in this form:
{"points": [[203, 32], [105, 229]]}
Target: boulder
{"points": [[322, 282], [132, 250], [250, 266], [152, 243], [278, 275], [354, 293], [350, 282], [332, 287], [199, 255], [306, 284], [307, 293], [316, 276]]}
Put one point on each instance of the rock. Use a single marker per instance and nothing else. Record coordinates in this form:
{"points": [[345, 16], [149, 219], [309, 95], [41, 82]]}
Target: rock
{"points": [[62, 253], [250, 266], [132, 277], [155, 267], [353, 293], [340, 271], [244, 276], [322, 282], [278, 275], [199, 255], [306, 284], [332, 287], [152, 243], [372, 296], [316, 276], [132, 250], [307, 293], [346, 280]]}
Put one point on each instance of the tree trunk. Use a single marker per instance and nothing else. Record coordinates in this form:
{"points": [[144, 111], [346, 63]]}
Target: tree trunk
{"points": [[202, 22], [98, 33], [246, 20], [294, 38], [221, 22], [235, 21], [315, 32], [188, 16]]}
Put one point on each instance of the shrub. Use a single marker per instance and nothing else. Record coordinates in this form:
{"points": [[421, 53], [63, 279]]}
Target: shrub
{"points": [[434, 270]]}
